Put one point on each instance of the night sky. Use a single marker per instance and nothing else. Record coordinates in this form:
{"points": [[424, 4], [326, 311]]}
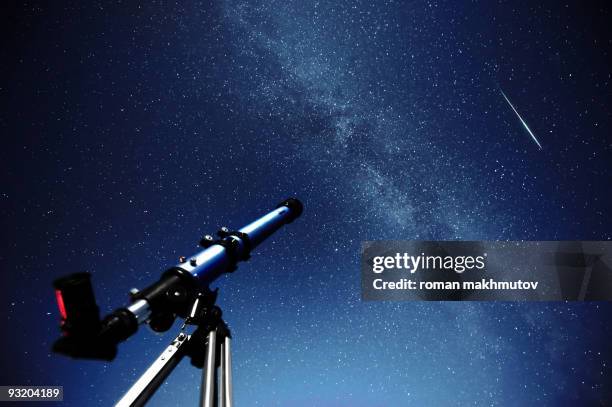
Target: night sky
{"points": [[130, 130]]}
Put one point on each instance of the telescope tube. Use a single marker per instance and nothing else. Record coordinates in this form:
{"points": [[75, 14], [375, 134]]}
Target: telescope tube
{"points": [[218, 257], [208, 264]]}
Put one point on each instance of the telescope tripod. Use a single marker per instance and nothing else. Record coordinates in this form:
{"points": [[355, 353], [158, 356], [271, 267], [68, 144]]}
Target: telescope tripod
{"points": [[208, 346]]}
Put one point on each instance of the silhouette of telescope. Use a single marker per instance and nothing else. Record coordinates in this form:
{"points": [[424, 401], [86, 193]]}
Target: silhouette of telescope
{"points": [[85, 335]]}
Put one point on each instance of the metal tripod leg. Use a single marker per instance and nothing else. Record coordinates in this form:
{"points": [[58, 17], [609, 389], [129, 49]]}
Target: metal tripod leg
{"points": [[216, 342], [223, 398], [207, 397], [154, 376], [225, 374]]}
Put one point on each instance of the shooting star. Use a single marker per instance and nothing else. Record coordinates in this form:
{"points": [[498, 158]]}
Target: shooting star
{"points": [[521, 119]]}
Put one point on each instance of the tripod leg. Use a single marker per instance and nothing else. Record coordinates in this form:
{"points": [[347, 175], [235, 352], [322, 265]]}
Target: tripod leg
{"points": [[226, 373], [154, 376], [207, 397], [221, 375]]}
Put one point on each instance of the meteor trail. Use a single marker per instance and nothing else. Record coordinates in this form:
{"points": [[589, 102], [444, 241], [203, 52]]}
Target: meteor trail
{"points": [[521, 119]]}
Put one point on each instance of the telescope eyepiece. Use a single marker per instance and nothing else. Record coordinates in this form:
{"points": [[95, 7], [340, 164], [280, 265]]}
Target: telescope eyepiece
{"points": [[77, 304]]}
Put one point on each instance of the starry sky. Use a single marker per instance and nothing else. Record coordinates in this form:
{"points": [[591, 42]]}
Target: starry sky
{"points": [[131, 129]]}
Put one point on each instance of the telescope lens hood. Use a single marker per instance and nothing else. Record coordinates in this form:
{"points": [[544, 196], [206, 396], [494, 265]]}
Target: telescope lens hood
{"points": [[295, 206]]}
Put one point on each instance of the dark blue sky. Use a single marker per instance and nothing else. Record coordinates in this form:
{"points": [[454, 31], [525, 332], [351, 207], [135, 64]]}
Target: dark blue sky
{"points": [[132, 129]]}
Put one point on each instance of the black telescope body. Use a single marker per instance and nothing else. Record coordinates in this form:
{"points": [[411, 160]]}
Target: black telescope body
{"points": [[86, 336]]}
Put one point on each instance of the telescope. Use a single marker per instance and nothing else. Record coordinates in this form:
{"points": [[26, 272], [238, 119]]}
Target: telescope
{"points": [[182, 291]]}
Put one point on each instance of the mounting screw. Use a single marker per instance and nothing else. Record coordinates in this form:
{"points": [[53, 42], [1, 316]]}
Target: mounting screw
{"points": [[207, 241]]}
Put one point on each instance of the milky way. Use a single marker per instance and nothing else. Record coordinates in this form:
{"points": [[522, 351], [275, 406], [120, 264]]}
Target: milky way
{"points": [[366, 122]]}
